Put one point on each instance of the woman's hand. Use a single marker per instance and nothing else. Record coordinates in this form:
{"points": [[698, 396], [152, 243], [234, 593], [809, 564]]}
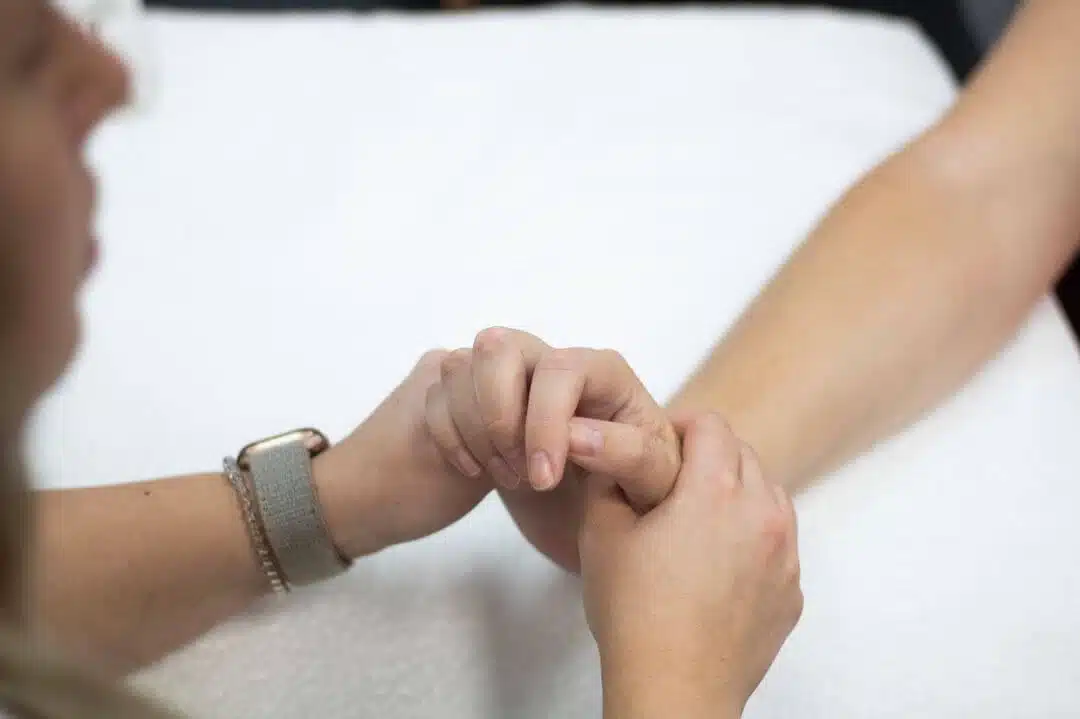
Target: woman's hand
{"points": [[503, 412], [387, 483], [691, 602]]}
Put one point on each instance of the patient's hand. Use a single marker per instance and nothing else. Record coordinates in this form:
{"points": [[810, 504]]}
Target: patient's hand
{"points": [[503, 411]]}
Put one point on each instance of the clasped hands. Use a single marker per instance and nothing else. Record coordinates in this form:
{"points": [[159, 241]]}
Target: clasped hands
{"points": [[687, 552]]}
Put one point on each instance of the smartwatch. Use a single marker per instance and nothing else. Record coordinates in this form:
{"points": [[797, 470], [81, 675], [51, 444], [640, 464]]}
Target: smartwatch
{"points": [[281, 481]]}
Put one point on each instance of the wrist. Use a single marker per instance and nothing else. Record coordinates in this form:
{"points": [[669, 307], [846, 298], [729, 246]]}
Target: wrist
{"points": [[344, 481], [633, 690]]}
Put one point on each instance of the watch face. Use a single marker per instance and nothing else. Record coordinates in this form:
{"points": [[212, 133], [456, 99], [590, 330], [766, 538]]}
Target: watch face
{"points": [[314, 441]]}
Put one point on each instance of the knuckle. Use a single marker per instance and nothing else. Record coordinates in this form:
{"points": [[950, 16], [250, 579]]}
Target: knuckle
{"points": [[562, 359], [490, 339], [660, 453], [433, 358], [649, 453], [617, 370], [717, 424], [775, 530], [504, 431], [454, 361], [612, 357], [723, 481], [798, 605], [795, 571], [714, 428], [729, 477]]}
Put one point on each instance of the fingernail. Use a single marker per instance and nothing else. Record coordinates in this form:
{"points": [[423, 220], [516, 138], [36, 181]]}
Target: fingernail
{"points": [[515, 460], [502, 474], [540, 472], [584, 441], [468, 466]]}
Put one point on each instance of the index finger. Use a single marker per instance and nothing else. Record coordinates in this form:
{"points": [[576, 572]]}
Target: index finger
{"points": [[633, 457], [503, 360], [596, 384]]}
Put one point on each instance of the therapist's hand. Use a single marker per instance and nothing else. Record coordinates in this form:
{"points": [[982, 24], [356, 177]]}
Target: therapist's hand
{"points": [[503, 411], [387, 482], [691, 602]]}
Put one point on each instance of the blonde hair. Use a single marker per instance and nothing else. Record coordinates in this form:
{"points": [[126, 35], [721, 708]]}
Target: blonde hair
{"points": [[34, 684]]}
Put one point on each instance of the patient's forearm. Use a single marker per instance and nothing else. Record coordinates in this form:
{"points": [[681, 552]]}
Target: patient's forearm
{"points": [[888, 307], [908, 286], [663, 692], [920, 274]]}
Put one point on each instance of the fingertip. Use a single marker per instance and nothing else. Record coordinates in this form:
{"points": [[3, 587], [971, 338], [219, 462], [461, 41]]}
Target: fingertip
{"points": [[503, 474], [542, 471], [454, 360], [586, 440], [545, 455], [439, 426], [467, 465]]}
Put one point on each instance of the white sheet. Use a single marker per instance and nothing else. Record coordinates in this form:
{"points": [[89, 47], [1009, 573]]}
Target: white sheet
{"points": [[613, 179]]}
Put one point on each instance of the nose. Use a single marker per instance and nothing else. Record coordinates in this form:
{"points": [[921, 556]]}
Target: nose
{"points": [[98, 82]]}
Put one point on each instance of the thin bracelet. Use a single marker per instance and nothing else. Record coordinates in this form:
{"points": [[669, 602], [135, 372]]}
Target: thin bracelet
{"points": [[255, 529]]}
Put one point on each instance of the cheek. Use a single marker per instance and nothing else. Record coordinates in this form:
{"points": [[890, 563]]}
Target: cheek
{"points": [[45, 255], [44, 330]]}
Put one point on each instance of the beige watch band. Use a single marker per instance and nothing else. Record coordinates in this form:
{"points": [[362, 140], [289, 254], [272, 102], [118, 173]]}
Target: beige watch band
{"points": [[281, 480], [263, 554]]}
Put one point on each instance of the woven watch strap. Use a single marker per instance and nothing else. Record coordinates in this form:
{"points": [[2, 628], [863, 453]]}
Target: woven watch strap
{"points": [[263, 554], [289, 508]]}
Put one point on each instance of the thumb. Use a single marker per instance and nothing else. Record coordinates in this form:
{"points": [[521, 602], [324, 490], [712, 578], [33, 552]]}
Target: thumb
{"points": [[607, 514], [712, 456]]}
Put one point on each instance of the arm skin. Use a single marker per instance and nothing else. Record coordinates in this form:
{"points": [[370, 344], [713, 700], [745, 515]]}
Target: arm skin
{"points": [[130, 573], [632, 695], [921, 273]]}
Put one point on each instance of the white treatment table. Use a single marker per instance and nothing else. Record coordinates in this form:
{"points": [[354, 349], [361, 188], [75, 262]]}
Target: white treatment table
{"points": [[600, 178]]}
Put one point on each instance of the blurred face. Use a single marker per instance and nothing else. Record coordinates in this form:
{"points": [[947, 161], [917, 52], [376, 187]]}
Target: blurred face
{"points": [[56, 85]]}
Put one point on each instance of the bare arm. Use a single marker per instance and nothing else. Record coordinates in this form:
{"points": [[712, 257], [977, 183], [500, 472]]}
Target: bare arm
{"points": [[923, 270], [130, 573]]}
